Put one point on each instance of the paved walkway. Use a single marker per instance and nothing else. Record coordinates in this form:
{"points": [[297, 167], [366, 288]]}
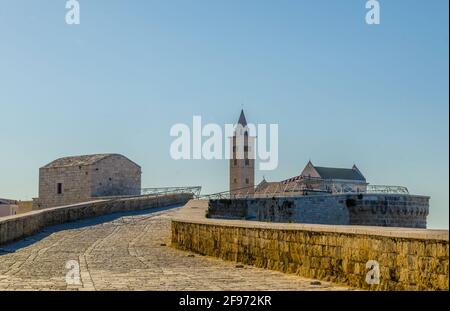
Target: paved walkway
{"points": [[128, 252]]}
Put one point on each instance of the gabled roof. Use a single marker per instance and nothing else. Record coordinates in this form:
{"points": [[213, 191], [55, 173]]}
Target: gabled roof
{"points": [[339, 173], [267, 186], [82, 160], [242, 121]]}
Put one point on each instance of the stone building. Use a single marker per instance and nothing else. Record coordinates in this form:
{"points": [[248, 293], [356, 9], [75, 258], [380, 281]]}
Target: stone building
{"points": [[332, 179], [318, 179], [8, 207], [242, 161], [83, 178]]}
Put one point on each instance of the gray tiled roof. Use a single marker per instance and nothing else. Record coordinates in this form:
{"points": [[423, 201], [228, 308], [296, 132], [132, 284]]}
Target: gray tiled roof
{"points": [[339, 173], [77, 160]]}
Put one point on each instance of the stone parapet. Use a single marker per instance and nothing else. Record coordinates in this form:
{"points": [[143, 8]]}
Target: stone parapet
{"points": [[388, 210], [16, 227], [407, 259]]}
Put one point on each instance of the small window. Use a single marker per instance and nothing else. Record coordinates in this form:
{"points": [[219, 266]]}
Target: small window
{"points": [[247, 181], [59, 188], [235, 162], [247, 162], [234, 148], [110, 178], [235, 180], [246, 148]]}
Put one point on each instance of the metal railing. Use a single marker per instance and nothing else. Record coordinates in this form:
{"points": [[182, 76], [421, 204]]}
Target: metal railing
{"points": [[195, 190], [387, 189], [285, 191], [157, 191]]}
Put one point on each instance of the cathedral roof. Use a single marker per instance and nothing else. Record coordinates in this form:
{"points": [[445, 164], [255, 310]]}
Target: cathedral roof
{"points": [[339, 173]]}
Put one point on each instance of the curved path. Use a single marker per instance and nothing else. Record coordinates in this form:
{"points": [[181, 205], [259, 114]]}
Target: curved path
{"points": [[128, 252]]}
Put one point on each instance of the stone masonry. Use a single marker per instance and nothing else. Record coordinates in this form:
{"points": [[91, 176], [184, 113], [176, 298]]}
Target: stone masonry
{"points": [[79, 179], [129, 252], [403, 259], [387, 210], [17, 227]]}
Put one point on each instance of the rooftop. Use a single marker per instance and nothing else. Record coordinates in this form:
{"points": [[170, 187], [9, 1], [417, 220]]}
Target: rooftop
{"points": [[81, 160], [339, 173]]}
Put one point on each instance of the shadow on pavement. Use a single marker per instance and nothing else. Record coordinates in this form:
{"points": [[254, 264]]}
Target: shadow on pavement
{"points": [[42, 234]]}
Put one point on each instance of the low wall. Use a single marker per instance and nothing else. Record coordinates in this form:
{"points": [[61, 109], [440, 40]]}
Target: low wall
{"points": [[16, 227], [408, 259], [389, 210]]}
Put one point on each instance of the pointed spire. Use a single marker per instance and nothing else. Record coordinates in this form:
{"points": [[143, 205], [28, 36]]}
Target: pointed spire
{"points": [[242, 121]]}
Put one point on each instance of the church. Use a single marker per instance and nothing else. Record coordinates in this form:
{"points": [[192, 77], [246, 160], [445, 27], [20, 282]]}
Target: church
{"points": [[312, 180]]}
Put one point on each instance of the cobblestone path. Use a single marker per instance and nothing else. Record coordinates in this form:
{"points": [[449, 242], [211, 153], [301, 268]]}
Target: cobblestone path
{"points": [[128, 252]]}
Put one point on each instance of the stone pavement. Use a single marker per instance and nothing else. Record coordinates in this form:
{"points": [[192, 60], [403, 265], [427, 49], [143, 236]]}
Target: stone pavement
{"points": [[129, 252]]}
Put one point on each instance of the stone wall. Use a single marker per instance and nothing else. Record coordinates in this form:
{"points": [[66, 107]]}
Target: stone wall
{"points": [[16, 227], [389, 210], [24, 207], [407, 259], [114, 175], [75, 183]]}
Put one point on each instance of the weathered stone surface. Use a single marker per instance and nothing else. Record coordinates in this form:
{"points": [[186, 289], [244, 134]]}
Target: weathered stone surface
{"points": [[387, 210], [124, 252], [19, 226], [409, 259], [82, 178]]}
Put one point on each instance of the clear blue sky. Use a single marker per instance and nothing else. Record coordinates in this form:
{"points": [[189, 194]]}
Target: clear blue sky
{"points": [[342, 91]]}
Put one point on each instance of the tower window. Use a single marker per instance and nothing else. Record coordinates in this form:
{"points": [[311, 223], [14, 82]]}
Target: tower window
{"points": [[235, 180], [247, 181], [59, 188], [235, 162], [246, 148], [247, 162]]}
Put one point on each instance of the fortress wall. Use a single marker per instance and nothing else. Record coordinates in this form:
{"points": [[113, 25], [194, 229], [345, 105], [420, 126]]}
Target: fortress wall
{"points": [[407, 259], [389, 210], [17, 227]]}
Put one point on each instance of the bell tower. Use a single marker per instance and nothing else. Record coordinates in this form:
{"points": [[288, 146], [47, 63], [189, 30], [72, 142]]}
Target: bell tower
{"points": [[242, 160]]}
